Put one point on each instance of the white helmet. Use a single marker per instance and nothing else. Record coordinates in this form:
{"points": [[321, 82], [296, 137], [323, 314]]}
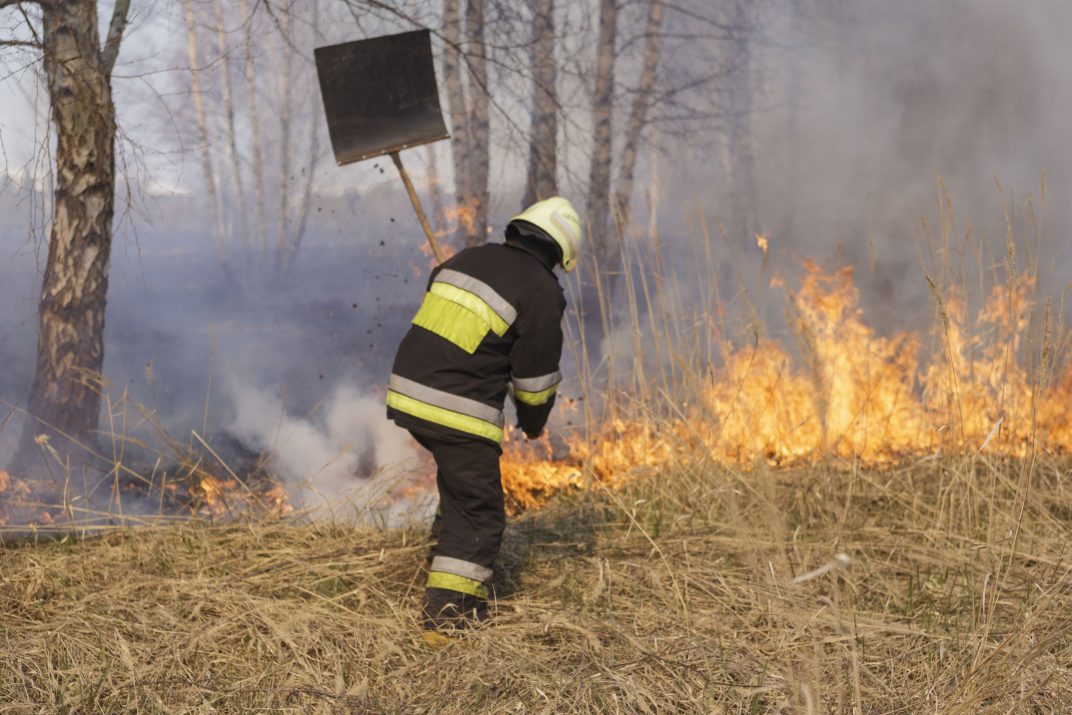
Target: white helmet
{"points": [[558, 219]]}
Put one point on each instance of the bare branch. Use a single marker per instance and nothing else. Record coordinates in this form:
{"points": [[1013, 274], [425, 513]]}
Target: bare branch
{"points": [[35, 43], [115, 35], [29, 24]]}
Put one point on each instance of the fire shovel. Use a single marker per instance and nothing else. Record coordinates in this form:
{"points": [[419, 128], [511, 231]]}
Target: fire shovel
{"points": [[380, 97]]}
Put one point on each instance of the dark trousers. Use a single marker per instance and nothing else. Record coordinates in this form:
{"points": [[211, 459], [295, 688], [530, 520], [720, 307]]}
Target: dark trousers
{"points": [[471, 518]]}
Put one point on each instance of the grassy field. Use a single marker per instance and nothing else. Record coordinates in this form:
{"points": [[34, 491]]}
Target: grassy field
{"points": [[935, 587]]}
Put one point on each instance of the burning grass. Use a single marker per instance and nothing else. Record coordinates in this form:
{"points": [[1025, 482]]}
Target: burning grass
{"points": [[938, 586], [992, 384]]}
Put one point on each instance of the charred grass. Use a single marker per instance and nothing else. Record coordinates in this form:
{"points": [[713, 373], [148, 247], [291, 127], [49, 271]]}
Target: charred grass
{"points": [[941, 586]]}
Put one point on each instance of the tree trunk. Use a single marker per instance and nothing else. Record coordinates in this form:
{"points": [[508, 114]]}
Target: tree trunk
{"points": [[638, 117], [740, 155], [238, 212], [255, 131], [285, 139], [435, 187], [543, 138], [479, 130], [791, 176], [459, 119], [301, 219], [604, 248], [207, 165], [65, 395]]}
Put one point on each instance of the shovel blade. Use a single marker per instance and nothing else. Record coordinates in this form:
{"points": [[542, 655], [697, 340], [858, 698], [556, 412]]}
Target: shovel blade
{"points": [[380, 95]]}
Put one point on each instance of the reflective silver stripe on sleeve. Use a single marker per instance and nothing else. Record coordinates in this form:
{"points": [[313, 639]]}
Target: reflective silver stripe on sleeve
{"points": [[537, 384], [477, 287], [438, 398], [448, 564]]}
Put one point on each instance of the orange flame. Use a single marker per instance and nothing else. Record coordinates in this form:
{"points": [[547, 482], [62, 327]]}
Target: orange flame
{"points": [[221, 497], [761, 241], [852, 395], [461, 216]]}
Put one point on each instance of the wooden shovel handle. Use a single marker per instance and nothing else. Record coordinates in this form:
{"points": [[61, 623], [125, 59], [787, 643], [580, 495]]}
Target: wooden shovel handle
{"points": [[416, 201]]}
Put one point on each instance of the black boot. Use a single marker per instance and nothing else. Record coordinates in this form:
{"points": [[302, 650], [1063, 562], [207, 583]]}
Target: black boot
{"points": [[449, 610]]}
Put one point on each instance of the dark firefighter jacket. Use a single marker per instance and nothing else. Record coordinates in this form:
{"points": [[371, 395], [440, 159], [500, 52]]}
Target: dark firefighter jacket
{"points": [[492, 317]]}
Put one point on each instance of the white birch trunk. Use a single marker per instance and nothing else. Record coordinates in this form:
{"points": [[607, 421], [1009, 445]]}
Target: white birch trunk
{"points": [[435, 186], [302, 217], [255, 132], [238, 210], [65, 398], [285, 138], [480, 127], [542, 182], [602, 139], [207, 165], [740, 147], [458, 110], [638, 116]]}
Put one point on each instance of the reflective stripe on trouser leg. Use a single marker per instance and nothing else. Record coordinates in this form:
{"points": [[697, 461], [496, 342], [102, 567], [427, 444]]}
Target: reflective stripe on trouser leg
{"points": [[458, 575], [458, 567], [453, 582]]}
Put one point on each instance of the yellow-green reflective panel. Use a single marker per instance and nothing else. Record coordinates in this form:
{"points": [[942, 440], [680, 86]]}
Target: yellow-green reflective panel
{"points": [[474, 303], [452, 321]]}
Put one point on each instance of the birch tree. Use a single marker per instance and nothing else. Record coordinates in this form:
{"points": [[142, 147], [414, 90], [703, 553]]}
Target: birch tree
{"points": [[480, 128], [740, 151], [464, 66], [280, 140], [638, 116], [208, 166], [255, 139], [603, 138], [65, 398], [458, 109], [227, 99], [541, 180]]}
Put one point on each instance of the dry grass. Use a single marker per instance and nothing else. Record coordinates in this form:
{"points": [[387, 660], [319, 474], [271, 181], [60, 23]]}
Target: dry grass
{"points": [[693, 590]]}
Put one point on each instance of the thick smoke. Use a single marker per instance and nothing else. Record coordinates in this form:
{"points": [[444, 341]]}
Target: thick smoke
{"points": [[892, 97], [862, 111], [346, 454]]}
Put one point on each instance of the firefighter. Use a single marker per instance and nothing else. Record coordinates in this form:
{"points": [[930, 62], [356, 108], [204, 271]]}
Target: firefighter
{"points": [[490, 324]]}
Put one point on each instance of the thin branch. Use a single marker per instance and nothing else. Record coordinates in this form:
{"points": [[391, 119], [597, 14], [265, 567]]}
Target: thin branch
{"points": [[20, 43], [115, 35], [30, 25]]}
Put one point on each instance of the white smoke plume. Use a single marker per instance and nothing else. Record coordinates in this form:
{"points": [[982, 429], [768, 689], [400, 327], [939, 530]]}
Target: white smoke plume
{"points": [[345, 458]]}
